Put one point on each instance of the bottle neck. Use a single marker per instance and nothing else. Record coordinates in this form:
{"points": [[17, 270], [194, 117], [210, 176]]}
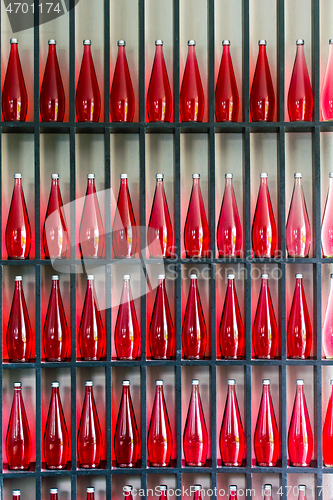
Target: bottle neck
{"points": [[228, 182], [55, 285], [231, 284], [91, 186], [52, 49], [266, 391], [264, 283], [89, 391], [18, 286], [262, 50], [87, 51], [196, 182], [121, 53], [263, 181], [298, 182], [14, 49], [226, 52], [123, 182]]}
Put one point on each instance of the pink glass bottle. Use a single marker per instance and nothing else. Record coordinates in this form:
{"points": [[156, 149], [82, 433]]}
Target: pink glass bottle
{"points": [[163, 492], [192, 99], [56, 339], [300, 437], [159, 441], [14, 92], [194, 332], [229, 230], [328, 432], [53, 493], [124, 232], [266, 435], [327, 331], [159, 97], [301, 492], [16, 494], [265, 332], [52, 94], [299, 330], [88, 98], [195, 439], [56, 443], [162, 339], [89, 438], [90, 493], [298, 231], [226, 93], [262, 99], [18, 440], [327, 223], [196, 488], [196, 232], [267, 492], [233, 492], [19, 335], [126, 436], [327, 90], [160, 235], [55, 232], [18, 231], [300, 98], [122, 102], [264, 233], [232, 335], [127, 331], [127, 489], [91, 333], [91, 236], [232, 438]]}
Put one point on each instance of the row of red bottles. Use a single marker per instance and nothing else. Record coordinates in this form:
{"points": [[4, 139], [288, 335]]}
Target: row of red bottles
{"points": [[54, 494]]}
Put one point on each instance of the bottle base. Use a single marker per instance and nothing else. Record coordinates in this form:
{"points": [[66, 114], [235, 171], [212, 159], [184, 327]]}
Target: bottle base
{"points": [[266, 464], [297, 357], [328, 465], [18, 467], [154, 464], [193, 464], [56, 467], [130, 466], [232, 464], [89, 466], [19, 360], [299, 465]]}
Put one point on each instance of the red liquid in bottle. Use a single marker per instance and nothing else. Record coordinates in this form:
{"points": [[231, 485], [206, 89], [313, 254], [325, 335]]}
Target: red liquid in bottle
{"points": [[226, 93], [124, 232], [197, 491], [300, 98], [195, 439], [127, 331], [19, 336], [327, 90], [299, 330], [162, 339], [264, 233], [56, 339], [91, 333], [160, 236], [55, 232], [16, 494], [298, 231], [18, 440], [90, 493], [265, 332], [300, 437], [192, 100], [194, 332], [52, 94], [229, 230], [53, 493], [18, 232], [232, 336], [159, 97], [266, 435], [159, 441], [88, 98], [328, 433], [262, 99], [327, 223], [122, 102], [91, 228], [232, 438], [14, 92], [89, 438], [56, 443], [327, 332], [196, 232], [126, 437]]}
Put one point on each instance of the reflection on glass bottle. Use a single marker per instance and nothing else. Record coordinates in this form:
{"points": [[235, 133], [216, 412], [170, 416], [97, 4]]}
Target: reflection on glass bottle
{"points": [[91, 235], [265, 332], [299, 330], [229, 230], [91, 332], [56, 340], [327, 332], [264, 233], [327, 90], [55, 233], [14, 92], [160, 235], [328, 432], [89, 438], [327, 223], [266, 435], [196, 232], [127, 331], [162, 340], [124, 232]]}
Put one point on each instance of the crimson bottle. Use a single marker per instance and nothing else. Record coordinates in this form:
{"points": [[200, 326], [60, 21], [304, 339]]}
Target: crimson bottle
{"points": [[266, 435], [328, 433], [300, 98], [195, 439], [233, 492], [192, 100], [299, 330], [14, 92], [197, 491], [16, 494], [124, 232], [327, 331], [91, 333], [56, 443], [194, 332], [90, 493], [56, 340], [18, 232], [327, 223], [159, 441], [262, 99], [298, 231], [226, 93], [267, 492], [126, 437], [88, 98], [163, 492], [196, 232], [327, 90], [89, 438], [232, 438], [18, 440], [127, 331], [229, 230], [53, 493], [160, 235], [159, 97], [19, 335], [128, 492], [265, 332], [91, 236], [52, 94], [232, 336], [162, 339], [122, 102], [264, 233], [55, 232], [300, 437]]}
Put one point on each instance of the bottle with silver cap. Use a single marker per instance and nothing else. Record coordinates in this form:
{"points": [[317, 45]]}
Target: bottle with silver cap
{"points": [[194, 332], [88, 97], [195, 438], [327, 332], [56, 442], [90, 493], [226, 92], [16, 494], [159, 97], [52, 94], [162, 340], [14, 93], [267, 493], [56, 340], [327, 223], [122, 101], [163, 492], [265, 332], [231, 335], [262, 99], [233, 492], [264, 234], [300, 97], [89, 436], [127, 489], [55, 232], [126, 436], [18, 230], [196, 231], [18, 439], [328, 432], [91, 235], [160, 234], [229, 230], [298, 230], [159, 440], [301, 492], [299, 329], [127, 330], [53, 493], [232, 437], [197, 488], [192, 99], [91, 332], [19, 333], [124, 231], [300, 436], [266, 435], [326, 103]]}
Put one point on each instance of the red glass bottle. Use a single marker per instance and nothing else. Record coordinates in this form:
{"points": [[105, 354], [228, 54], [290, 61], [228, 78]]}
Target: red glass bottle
{"points": [[56, 339], [264, 233], [91, 333], [232, 438], [233, 492], [162, 339], [262, 99], [127, 331], [18, 231], [160, 235], [327, 331], [122, 102], [266, 435], [267, 492], [226, 93], [88, 98], [300, 437], [14, 92], [124, 232], [163, 492], [56, 443], [301, 492], [194, 332], [90, 493], [192, 99], [327, 223], [159, 441], [232, 336], [19, 335], [55, 232], [159, 97], [196, 491], [128, 492], [299, 330], [18, 440], [327, 90], [298, 231], [229, 230], [91, 236], [300, 98], [126, 436], [89, 438], [53, 493], [328, 432], [52, 94], [265, 332], [195, 439], [16, 494], [196, 232]]}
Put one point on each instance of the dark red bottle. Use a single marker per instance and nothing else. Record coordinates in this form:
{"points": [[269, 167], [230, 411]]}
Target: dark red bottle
{"points": [[18, 440], [195, 439], [88, 97], [265, 331], [19, 335], [226, 93], [89, 438], [266, 435], [122, 102], [232, 336], [196, 232], [127, 331], [126, 437], [18, 231], [233, 492], [160, 236], [90, 493], [91, 333], [264, 233], [55, 232], [262, 100], [229, 230], [52, 94], [53, 493], [299, 330], [91, 228], [124, 232], [328, 432], [162, 339], [56, 340], [194, 332], [232, 438], [16, 494], [300, 97], [56, 443], [159, 97], [192, 99], [159, 441], [14, 92], [300, 437]]}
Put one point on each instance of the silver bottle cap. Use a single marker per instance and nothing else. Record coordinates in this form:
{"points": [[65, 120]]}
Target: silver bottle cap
{"points": [[195, 176], [191, 42], [195, 382], [13, 40], [268, 487], [331, 276], [86, 42], [331, 381], [158, 42], [159, 177], [121, 43], [193, 276], [266, 381], [330, 175], [197, 487], [231, 381], [90, 277], [232, 487], [54, 176], [300, 41], [126, 277], [330, 41], [89, 383], [263, 175], [159, 382], [228, 176], [127, 488], [18, 278], [55, 278], [55, 384], [17, 385], [299, 382], [53, 491], [264, 276], [302, 487], [298, 175], [123, 176], [262, 42], [161, 276], [163, 487], [17, 176], [299, 276], [90, 489], [230, 276], [126, 382], [16, 493], [225, 42], [52, 42], [91, 176]]}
